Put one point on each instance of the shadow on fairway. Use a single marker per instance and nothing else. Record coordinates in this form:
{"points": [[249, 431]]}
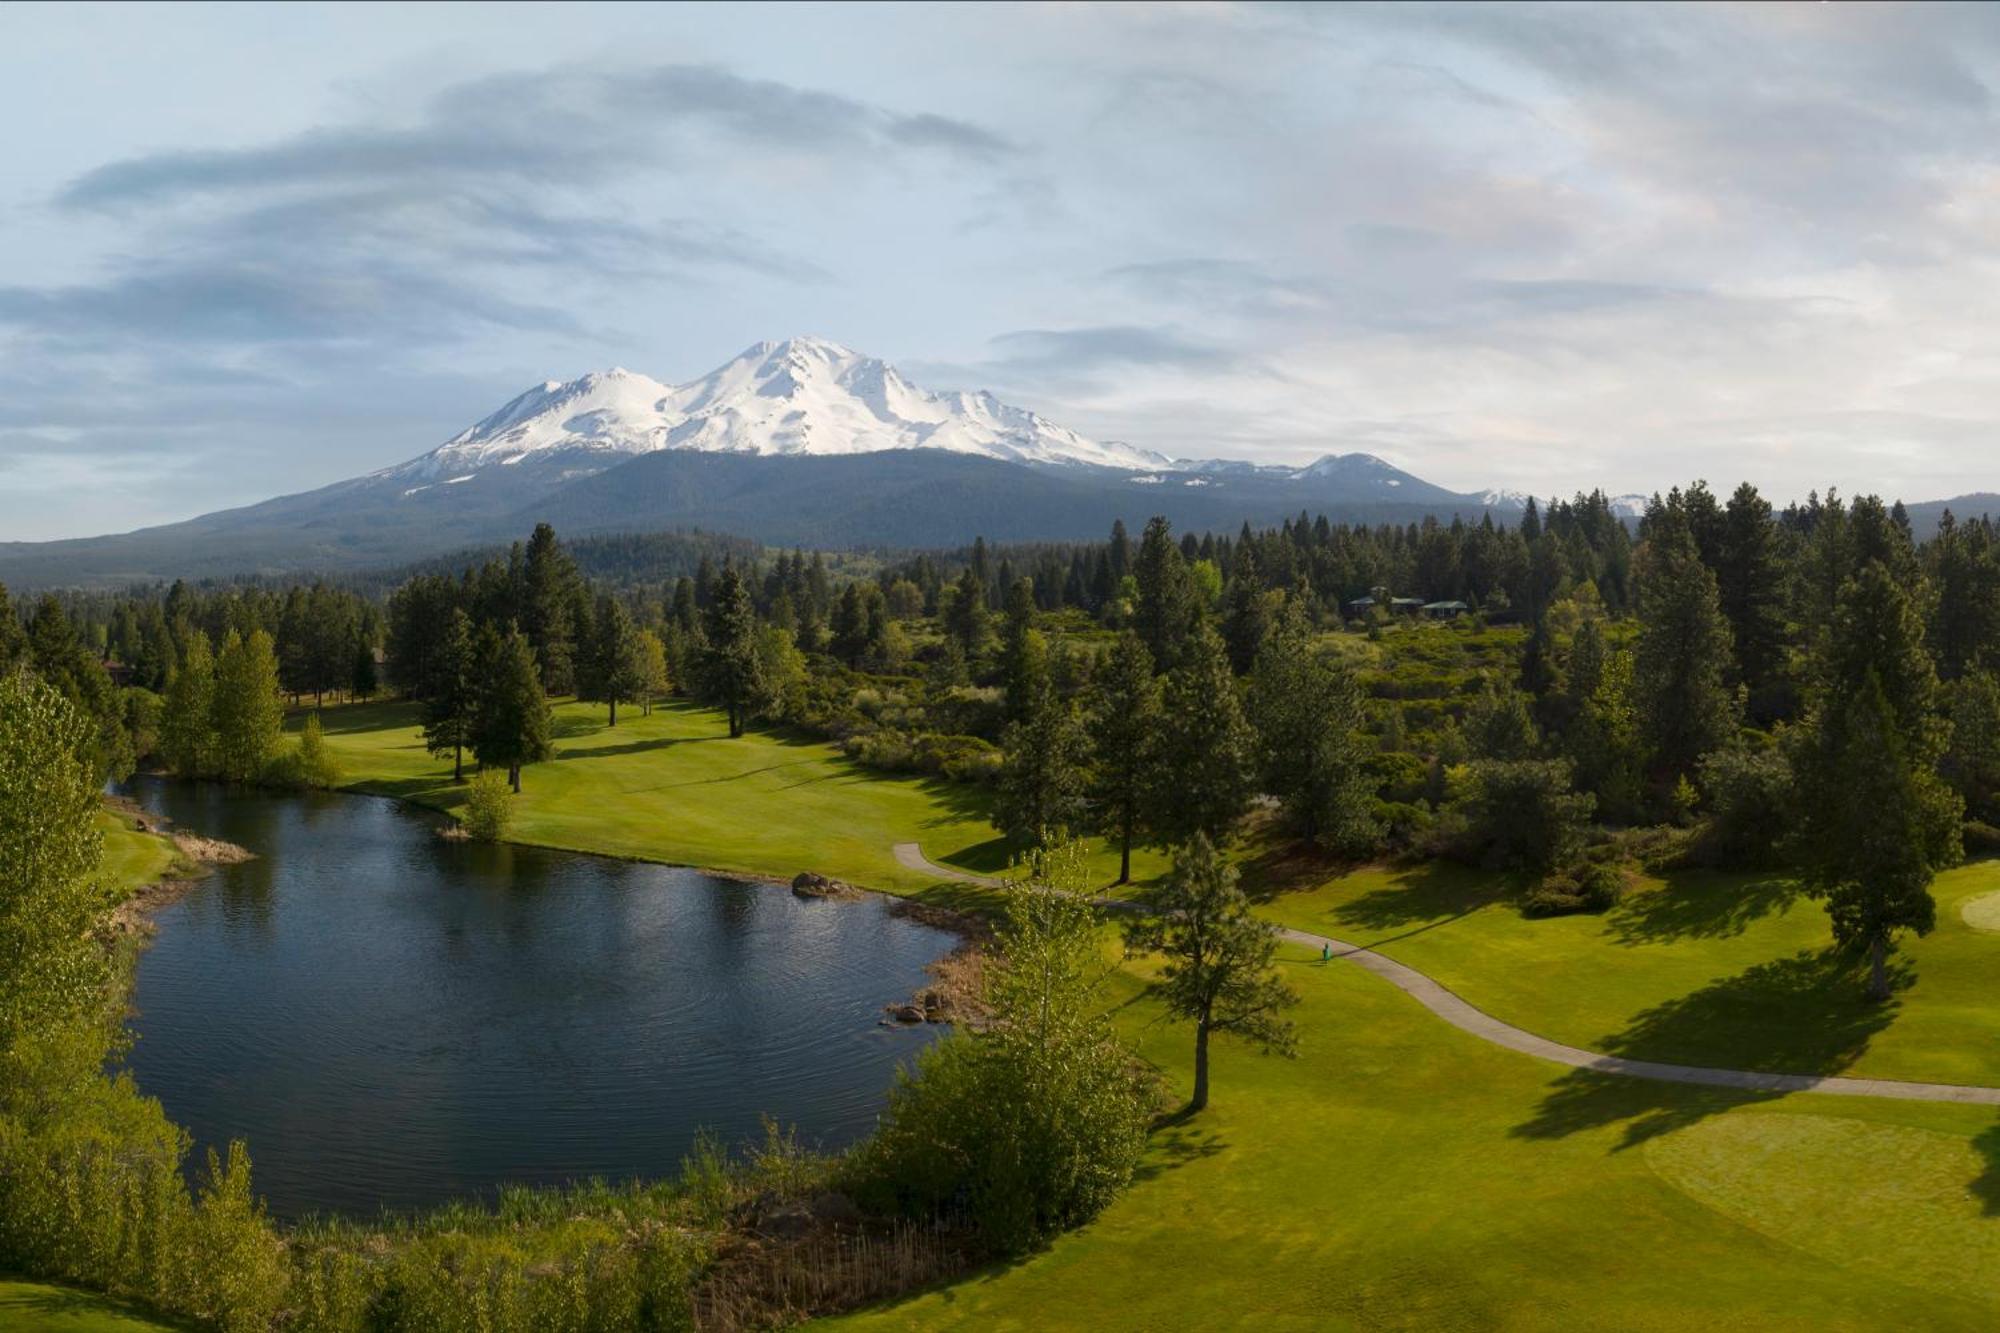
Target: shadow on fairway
{"points": [[1986, 1188], [1427, 896], [1178, 1139], [1699, 906], [1806, 1014]]}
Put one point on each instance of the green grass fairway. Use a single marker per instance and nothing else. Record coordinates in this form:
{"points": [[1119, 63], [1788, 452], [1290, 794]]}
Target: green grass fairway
{"points": [[1402, 1174], [31, 1307], [674, 787], [1732, 970], [132, 858]]}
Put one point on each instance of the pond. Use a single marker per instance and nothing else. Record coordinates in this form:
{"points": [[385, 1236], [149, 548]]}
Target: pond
{"points": [[391, 1019]]}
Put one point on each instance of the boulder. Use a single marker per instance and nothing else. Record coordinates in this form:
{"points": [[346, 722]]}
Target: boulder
{"points": [[806, 884]]}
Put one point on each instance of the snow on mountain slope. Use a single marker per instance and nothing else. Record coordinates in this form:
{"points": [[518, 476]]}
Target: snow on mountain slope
{"points": [[801, 396]]}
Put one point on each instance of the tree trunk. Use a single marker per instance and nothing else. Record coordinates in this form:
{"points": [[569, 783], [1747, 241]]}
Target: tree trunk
{"points": [[1125, 849], [514, 776], [1878, 967], [614, 712], [458, 763], [1200, 1098]]}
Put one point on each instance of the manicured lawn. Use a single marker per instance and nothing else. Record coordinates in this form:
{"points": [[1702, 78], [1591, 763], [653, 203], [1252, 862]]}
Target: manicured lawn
{"points": [[1702, 968], [674, 787], [1402, 1174], [132, 858], [30, 1307]]}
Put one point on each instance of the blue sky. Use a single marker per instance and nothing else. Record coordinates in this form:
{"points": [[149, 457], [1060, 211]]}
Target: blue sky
{"points": [[246, 251]]}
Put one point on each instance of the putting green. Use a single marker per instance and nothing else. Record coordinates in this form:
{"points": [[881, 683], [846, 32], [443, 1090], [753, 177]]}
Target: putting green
{"points": [[1983, 912], [1906, 1204]]}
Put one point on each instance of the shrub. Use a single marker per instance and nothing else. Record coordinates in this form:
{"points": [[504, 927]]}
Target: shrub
{"points": [[1748, 795], [1519, 813], [1034, 1126], [1981, 839], [1595, 886], [489, 806]]}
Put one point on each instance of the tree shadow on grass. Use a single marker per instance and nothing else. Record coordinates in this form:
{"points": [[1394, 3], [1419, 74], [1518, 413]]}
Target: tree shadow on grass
{"points": [[1806, 1014], [1178, 1139], [1986, 1188], [45, 1306], [1429, 895], [1699, 906]]}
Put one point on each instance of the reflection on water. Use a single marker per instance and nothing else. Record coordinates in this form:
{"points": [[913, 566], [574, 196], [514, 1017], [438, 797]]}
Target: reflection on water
{"points": [[391, 1019]]}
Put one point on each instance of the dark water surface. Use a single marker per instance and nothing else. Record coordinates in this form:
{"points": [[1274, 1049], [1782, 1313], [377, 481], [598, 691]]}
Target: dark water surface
{"points": [[392, 1020]]}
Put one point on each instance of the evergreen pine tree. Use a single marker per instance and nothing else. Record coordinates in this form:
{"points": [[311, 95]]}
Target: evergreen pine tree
{"points": [[1166, 610], [1124, 724], [1201, 777], [733, 669], [1307, 711], [454, 693], [1040, 800], [511, 724], [1685, 709], [1219, 973]]}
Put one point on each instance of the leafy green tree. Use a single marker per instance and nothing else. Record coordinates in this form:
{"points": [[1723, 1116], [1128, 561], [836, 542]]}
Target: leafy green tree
{"points": [[1498, 724], [1307, 712], [1201, 776], [489, 807], [1523, 813], [247, 707], [187, 720], [654, 680], [51, 970], [733, 670], [1685, 708], [311, 765], [453, 700], [1035, 1125], [1124, 721], [511, 724], [1219, 974], [1041, 795]]}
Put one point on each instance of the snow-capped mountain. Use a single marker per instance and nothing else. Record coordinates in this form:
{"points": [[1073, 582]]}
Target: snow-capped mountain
{"points": [[803, 396]]}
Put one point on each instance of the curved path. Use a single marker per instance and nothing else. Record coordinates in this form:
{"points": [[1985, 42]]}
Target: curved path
{"points": [[1455, 1011]]}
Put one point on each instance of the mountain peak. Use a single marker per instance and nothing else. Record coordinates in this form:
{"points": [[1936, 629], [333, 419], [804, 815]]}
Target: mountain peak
{"points": [[802, 395]]}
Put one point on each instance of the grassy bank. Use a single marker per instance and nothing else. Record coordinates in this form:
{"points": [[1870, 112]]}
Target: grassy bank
{"points": [[675, 787]]}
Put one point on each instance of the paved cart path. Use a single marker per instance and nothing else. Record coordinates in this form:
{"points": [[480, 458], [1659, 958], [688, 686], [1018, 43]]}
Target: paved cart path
{"points": [[1455, 1011]]}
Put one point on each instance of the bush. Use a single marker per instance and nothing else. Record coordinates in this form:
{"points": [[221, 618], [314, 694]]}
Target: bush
{"points": [[1749, 792], [1034, 1126], [1592, 887], [1519, 813], [309, 764], [1981, 839], [489, 806]]}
